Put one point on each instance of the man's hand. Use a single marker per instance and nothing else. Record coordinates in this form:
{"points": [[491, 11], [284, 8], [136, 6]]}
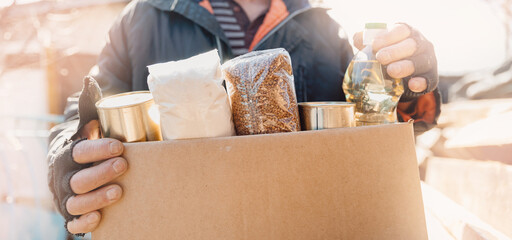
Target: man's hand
{"points": [[88, 183], [401, 52]]}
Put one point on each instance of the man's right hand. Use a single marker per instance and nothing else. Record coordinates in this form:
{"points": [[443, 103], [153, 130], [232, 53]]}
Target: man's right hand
{"points": [[89, 183]]}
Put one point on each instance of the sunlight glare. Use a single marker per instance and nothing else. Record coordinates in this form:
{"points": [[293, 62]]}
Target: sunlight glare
{"points": [[467, 34]]}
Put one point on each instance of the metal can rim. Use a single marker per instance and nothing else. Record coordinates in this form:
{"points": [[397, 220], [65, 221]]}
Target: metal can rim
{"points": [[124, 106], [330, 104]]}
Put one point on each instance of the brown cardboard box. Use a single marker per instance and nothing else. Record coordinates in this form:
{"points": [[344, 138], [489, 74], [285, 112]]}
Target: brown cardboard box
{"points": [[354, 183]]}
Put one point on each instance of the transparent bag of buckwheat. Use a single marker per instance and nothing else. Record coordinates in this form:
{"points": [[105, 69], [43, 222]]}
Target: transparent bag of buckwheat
{"points": [[261, 92]]}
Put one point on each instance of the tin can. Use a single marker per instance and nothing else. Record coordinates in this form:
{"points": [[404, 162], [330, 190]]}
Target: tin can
{"points": [[130, 117], [325, 115]]}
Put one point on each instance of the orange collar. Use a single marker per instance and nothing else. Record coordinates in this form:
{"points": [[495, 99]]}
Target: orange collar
{"points": [[275, 15], [206, 4]]}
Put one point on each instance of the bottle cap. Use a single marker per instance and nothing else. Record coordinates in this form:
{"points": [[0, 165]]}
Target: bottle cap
{"points": [[371, 31], [375, 26]]}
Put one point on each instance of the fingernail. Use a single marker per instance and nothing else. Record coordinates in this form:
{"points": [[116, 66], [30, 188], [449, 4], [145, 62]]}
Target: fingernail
{"points": [[395, 69], [376, 44], [383, 57], [119, 166], [113, 194], [92, 218], [414, 85], [115, 147]]}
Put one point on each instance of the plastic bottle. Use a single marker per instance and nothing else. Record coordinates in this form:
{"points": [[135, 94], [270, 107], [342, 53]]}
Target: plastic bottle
{"points": [[368, 85]]}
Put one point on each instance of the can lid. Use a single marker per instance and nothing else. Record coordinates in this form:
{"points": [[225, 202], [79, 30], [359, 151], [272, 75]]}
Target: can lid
{"points": [[375, 26], [326, 104], [124, 100]]}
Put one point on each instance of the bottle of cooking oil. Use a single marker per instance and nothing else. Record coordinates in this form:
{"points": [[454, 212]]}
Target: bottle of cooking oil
{"points": [[368, 85]]}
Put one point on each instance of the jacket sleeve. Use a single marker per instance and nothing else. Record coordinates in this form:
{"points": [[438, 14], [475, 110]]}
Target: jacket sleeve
{"points": [[63, 138], [423, 107], [331, 55], [113, 72], [424, 111], [59, 139]]}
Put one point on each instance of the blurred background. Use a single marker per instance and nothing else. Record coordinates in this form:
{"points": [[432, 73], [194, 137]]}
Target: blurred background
{"points": [[47, 46]]}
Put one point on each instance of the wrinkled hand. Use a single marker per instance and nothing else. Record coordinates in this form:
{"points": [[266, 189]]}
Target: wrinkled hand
{"points": [[403, 54], [85, 183]]}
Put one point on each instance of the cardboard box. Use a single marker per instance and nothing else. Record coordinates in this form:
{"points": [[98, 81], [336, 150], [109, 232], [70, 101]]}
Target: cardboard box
{"points": [[353, 183]]}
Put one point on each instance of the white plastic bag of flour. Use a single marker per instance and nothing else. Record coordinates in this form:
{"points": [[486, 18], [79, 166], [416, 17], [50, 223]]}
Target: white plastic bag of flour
{"points": [[191, 99]]}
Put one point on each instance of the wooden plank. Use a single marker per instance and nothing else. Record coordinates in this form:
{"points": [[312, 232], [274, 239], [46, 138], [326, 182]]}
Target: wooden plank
{"points": [[484, 188], [436, 229], [485, 139], [465, 112], [44, 7], [448, 220], [53, 88], [490, 131]]}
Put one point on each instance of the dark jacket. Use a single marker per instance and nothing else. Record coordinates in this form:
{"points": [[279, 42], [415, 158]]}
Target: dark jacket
{"points": [[155, 31]]}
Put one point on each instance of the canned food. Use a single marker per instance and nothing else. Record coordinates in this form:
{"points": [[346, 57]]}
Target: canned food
{"points": [[130, 117], [324, 115]]}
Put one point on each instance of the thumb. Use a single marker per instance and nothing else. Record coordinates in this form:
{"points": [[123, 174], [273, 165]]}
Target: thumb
{"points": [[358, 40], [91, 130]]}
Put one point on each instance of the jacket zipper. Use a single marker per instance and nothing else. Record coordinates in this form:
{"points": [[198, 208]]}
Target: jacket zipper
{"points": [[281, 25], [220, 49], [173, 5]]}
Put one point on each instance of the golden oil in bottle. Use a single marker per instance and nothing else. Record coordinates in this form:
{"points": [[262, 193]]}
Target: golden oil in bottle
{"points": [[368, 85]]}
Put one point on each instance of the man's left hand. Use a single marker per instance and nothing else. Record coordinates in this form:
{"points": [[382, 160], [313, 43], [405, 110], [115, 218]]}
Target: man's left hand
{"points": [[407, 54]]}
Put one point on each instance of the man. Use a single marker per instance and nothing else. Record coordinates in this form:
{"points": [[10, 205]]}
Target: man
{"points": [[154, 31]]}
